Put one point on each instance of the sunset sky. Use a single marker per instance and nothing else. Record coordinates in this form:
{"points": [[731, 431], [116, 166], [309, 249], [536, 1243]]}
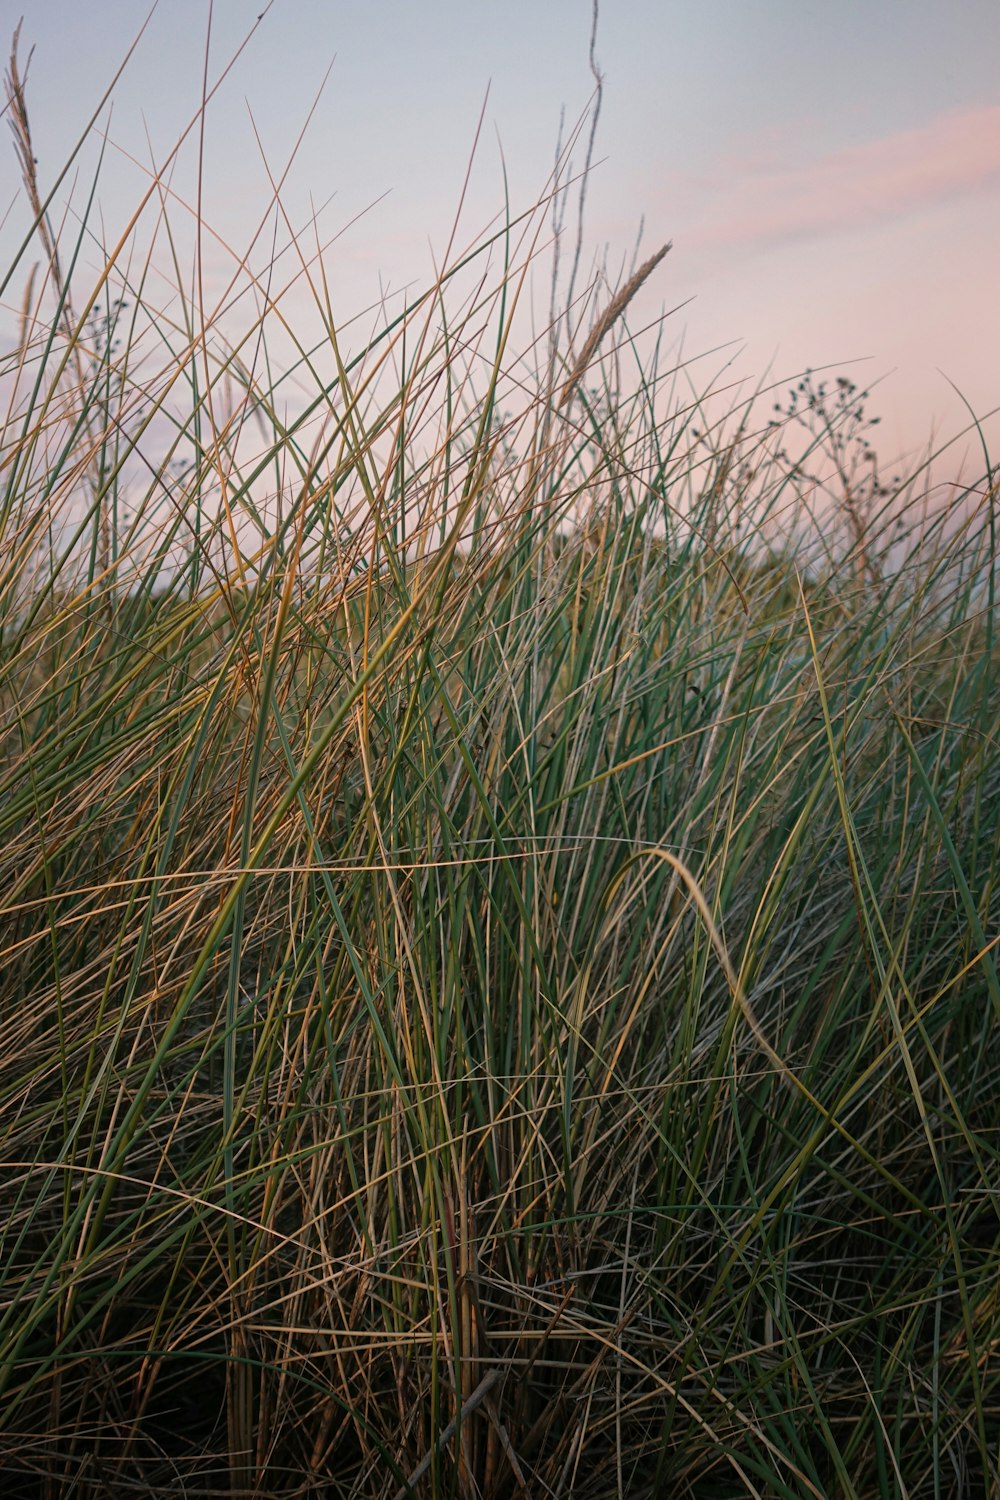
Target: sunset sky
{"points": [[829, 174]]}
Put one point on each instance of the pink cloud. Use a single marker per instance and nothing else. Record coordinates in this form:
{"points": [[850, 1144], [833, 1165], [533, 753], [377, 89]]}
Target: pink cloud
{"points": [[882, 179]]}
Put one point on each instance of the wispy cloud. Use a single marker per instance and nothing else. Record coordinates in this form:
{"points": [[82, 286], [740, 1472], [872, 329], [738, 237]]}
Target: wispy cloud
{"points": [[879, 180]]}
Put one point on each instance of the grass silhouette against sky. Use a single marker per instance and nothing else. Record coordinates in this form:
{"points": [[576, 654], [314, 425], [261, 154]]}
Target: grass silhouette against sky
{"points": [[830, 176]]}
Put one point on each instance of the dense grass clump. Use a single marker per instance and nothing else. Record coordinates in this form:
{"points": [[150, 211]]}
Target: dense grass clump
{"points": [[499, 988]]}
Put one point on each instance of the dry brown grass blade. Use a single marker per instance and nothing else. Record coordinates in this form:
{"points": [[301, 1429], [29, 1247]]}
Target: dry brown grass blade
{"points": [[607, 320], [482, 1390], [25, 332]]}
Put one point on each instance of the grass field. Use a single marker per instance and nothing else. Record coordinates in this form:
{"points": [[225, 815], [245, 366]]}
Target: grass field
{"points": [[499, 914]]}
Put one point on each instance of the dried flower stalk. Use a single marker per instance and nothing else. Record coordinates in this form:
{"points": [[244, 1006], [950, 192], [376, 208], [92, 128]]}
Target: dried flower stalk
{"points": [[608, 318]]}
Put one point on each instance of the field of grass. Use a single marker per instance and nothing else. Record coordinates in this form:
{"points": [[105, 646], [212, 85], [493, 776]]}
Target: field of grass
{"points": [[499, 910]]}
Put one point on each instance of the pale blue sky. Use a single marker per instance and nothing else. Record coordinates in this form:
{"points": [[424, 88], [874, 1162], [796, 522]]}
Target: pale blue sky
{"points": [[829, 174]]}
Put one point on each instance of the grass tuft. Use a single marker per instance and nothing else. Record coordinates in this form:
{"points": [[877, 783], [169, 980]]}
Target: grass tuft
{"points": [[499, 918]]}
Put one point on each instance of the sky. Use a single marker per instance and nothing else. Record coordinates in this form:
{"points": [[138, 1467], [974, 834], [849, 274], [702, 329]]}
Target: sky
{"points": [[829, 175]]}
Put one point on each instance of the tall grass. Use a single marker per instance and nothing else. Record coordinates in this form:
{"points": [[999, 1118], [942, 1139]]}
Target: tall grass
{"points": [[499, 989]]}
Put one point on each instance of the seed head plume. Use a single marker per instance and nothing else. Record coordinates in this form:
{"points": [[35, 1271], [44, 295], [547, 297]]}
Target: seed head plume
{"points": [[24, 150], [608, 318], [17, 109]]}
